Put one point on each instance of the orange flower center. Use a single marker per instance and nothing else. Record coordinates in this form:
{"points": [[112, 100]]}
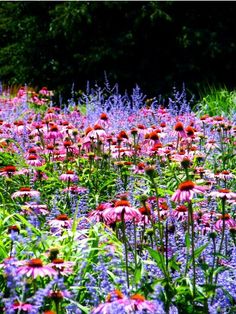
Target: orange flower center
{"points": [[137, 297], [62, 217], [224, 190], [122, 203], [144, 210], [181, 209], [225, 216], [103, 116], [97, 127], [35, 262], [24, 189], [179, 126], [54, 128], [10, 169], [153, 135], [186, 186], [58, 261], [69, 172], [117, 294], [225, 172]]}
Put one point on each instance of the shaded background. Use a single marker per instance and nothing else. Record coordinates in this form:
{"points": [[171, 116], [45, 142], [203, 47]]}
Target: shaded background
{"points": [[153, 44]]}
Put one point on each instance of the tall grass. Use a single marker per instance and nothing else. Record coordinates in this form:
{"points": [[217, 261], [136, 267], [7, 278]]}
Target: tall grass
{"points": [[216, 101]]}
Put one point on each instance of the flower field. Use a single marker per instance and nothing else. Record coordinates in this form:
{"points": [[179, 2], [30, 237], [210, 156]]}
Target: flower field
{"points": [[116, 204]]}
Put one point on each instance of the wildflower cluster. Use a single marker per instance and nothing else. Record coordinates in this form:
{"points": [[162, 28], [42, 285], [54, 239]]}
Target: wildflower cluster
{"points": [[115, 204]]}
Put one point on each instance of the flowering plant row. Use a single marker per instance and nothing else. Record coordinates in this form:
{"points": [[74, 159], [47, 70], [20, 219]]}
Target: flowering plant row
{"points": [[115, 204]]}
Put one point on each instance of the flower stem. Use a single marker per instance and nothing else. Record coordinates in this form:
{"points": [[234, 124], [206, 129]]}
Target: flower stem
{"points": [[126, 248]]}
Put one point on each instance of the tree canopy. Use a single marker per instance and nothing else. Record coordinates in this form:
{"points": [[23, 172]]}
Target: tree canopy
{"points": [[153, 44]]}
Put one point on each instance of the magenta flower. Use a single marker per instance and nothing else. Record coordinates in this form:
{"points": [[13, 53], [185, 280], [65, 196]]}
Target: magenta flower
{"points": [[75, 189], [223, 193], [34, 208], [136, 303], [225, 175], [229, 222], [186, 191], [180, 213], [20, 306], [63, 267], [25, 191], [33, 160], [114, 214], [97, 214], [35, 268], [61, 221], [69, 176], [54, 133]]}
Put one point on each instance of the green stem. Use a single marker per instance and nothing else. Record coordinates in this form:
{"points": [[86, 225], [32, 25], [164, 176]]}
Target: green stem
{"points": [[190, 207], [126, 248]]}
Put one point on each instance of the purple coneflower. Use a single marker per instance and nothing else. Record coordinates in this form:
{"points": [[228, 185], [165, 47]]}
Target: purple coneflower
{"points": [[33, 160], [224, 194], [25, 191], [35, 268], [64, 267], [122, 207], [21, 306], [60, 221], [229, 222], [186, 191], [69, 176]]}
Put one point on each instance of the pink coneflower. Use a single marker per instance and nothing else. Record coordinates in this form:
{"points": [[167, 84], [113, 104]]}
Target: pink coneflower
{"points": [[97, 214], [54, 133], [103, 120], [75, 189], [186, 191], [122, 207], [44, 91], [211, 144], [223, 193], [225, 175], [39, 175], [25, 191], [229, 222], [139, 168], [33, 160], [138, 303], [35, 268], [146, 214], [11, 261], [180, 212], [69, 176], [38, 209], [61, 221], [63, 267], [179, 128], [95, 133], [106, 308], [8, 171], [21, 306]]}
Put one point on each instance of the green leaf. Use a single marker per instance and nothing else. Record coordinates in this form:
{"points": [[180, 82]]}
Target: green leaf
{"points": [[197, 252], [187, 240], [138, 272], [158, 257]]}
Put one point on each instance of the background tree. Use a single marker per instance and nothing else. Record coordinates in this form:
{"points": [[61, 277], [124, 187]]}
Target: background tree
{"points": [[154, 44]]}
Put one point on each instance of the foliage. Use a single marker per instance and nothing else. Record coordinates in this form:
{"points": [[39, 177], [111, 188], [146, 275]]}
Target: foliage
{"points": [[133, 42]]}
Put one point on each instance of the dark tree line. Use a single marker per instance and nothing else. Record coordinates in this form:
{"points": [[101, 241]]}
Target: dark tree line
{"points": [[154, 44]]}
